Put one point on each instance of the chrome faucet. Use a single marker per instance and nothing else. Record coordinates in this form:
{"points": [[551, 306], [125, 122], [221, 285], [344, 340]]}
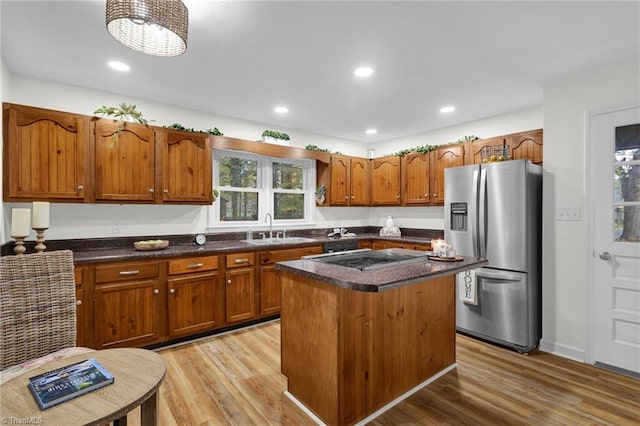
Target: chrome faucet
{"points": [[268, 216]]}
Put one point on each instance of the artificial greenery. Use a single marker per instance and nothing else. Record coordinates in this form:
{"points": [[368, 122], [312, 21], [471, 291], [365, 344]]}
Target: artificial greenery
{"points": [[124, 112], [427, 148], [316, 148], [276, 135], [320, 191], [470, 138], [215, 193], [178, 126]]}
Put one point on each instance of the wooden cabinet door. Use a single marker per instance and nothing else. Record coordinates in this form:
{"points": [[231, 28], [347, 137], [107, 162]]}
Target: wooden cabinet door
{"points": [[442, 158], [195, 303], [359, 182], [44, 154], [240, 295], [125, 161], [526, 145], [385, 186], [270, 298], [186, 168], [415, 179], [340, 177], [82, 308], [127, 314], [473, 150]]}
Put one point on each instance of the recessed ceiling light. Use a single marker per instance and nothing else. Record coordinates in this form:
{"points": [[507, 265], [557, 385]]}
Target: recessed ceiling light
{"points": [[363, 72], [446, 109], [371, 131], [119, 66], [281, 109]]}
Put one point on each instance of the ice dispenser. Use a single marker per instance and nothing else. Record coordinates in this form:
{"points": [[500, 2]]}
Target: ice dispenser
{"points": [[458, 216]]}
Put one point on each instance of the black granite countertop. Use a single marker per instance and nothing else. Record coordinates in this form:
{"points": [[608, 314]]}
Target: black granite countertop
{"points": [[97, 250], [381, 279], [85, 255]]}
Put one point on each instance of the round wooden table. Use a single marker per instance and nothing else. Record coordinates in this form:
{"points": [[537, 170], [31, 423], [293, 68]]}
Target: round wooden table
{"points": [[138, 374]]}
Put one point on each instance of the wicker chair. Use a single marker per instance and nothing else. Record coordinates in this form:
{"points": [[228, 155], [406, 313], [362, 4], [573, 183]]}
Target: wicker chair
{"points": [[37, 311]]}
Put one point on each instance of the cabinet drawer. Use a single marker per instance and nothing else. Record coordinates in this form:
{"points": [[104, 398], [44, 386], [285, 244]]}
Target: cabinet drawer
{"points": [[236, 260], [273, 256], [193, 264], [126, 271]]}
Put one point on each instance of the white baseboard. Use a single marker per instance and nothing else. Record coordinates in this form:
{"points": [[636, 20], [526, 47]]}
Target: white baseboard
{"points": [[564, 351]]}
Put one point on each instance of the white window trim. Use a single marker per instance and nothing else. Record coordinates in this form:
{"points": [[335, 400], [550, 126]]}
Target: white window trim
{"points": [[265, 191]]}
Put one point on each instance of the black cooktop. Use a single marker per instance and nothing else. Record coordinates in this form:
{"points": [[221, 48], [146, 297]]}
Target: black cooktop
{"points": [[368, 260]]}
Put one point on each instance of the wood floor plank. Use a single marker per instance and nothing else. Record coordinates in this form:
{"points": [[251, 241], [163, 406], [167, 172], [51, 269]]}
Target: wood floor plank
{"points": [[235, 379]]}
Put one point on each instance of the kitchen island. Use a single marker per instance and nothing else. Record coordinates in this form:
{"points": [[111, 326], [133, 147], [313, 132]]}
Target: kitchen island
{"points": [[355, 343]]}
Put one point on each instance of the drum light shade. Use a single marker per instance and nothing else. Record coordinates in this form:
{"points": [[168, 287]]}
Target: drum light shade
{"points": [[154, 27]]}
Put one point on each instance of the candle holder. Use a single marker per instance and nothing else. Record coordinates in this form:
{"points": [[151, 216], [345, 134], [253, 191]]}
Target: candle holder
{"points": [[40, 247], [19, 248]]}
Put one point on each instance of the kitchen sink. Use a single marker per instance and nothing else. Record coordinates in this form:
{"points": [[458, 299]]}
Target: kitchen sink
{"points": [[286, 240]]}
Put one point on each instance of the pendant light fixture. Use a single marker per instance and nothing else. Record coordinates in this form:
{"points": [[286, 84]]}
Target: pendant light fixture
{"points": [[154, 27]]}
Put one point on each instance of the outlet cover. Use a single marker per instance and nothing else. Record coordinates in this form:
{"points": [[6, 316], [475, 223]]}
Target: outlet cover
{"points": [[572, 214]]}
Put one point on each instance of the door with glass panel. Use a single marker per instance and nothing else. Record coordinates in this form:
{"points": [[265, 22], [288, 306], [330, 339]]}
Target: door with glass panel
{"points": [[615, 173]]}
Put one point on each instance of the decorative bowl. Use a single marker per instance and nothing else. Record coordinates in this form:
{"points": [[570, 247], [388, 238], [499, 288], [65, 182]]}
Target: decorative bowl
{"points": [[151, 244]]}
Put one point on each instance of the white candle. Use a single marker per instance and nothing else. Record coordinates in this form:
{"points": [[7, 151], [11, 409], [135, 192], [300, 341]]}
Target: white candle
{"points": [[40, 215], [20, 222]]}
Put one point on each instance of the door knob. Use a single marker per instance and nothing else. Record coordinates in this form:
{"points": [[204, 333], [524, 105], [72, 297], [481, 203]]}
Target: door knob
{"points": [[605, 255]]}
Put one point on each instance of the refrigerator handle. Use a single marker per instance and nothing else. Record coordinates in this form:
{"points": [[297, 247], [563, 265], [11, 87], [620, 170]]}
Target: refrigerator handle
{"points": [[473, 224], [482, 213], [499, 276]]}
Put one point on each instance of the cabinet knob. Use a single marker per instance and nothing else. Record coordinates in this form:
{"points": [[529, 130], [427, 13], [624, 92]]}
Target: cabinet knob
{"points": [[426, 196], [172, 291], [228, 281], [156, 291], [151, 190], [353, 197], [435, 195], [80, 187], [78, 302], [346, 197], [397, 197], [166, 191]]}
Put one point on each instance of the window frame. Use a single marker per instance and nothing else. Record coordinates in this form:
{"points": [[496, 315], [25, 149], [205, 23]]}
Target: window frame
{"points": [[265, 190]]}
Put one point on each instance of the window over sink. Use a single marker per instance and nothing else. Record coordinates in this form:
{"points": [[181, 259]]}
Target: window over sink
{"points": [[250, 186]]}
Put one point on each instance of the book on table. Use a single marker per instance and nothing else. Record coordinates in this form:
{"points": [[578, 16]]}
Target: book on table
{"points": [[62, 384]]}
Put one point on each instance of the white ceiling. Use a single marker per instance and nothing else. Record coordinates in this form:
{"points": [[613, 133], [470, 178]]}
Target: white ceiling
{"points": [[244, 58]]}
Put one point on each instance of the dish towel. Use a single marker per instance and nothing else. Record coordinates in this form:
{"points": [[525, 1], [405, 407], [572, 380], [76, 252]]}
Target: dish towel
{"points": [[468, 287]]}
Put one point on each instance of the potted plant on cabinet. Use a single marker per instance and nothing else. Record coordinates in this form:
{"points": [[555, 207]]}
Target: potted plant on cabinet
{"points": [[272, 136], [123, 112]]}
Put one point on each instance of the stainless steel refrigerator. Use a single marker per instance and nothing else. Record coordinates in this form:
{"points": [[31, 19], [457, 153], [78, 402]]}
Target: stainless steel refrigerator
{"points": [[494, 211]]}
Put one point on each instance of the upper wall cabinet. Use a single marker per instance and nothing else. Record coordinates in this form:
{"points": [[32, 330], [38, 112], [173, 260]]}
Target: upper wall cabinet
{"points": [[44, 154], [441, 158], [385, 185], [523, 145], [186, 167], [527, 145], [415, 178], [346, 180], [124, 162]]}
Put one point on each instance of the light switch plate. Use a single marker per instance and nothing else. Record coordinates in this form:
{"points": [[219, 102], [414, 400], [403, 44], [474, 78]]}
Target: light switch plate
{"points": [[572, 214]]}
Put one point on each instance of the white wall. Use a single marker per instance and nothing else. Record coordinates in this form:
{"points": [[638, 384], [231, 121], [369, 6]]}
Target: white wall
{"points": [[4, 91], [565, 265], [101, 220], [513, 122]]}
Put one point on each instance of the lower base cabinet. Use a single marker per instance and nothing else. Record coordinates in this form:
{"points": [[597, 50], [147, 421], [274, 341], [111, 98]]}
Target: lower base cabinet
{"points": [[269, 279], [127, 314], [240, 288], [195, 300]]}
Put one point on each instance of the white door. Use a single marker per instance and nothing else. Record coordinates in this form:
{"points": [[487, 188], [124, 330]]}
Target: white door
{"points": [[615, 196]]}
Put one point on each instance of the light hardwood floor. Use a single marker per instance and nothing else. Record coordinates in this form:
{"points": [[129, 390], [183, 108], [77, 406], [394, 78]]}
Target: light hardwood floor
{"points": [[235, 379]]}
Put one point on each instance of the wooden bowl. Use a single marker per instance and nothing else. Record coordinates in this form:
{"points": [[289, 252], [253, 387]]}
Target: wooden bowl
{"points": [[151, 244]]}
